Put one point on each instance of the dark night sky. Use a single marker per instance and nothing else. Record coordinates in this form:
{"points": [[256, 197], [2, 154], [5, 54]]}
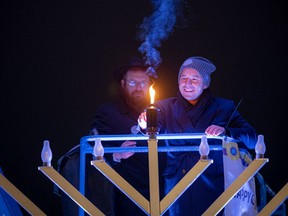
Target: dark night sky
{"points": [[57, 58]]}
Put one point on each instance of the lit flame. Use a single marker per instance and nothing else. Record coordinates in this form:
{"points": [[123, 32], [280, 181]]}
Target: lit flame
{"points": [[152, 95]]}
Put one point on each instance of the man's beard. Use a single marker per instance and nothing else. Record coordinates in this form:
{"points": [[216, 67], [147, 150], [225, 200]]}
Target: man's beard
{"points": [[137, 100]]}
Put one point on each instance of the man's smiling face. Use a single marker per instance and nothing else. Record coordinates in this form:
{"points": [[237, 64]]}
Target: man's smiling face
{"points": [[191, 85]]}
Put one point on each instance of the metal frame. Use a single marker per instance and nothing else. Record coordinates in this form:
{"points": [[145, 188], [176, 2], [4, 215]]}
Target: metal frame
{"points": [[86, 148]]}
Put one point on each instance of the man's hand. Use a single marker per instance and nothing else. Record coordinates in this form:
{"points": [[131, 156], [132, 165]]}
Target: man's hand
{"points": [[124, 155], [142, 120], [214, 130]]}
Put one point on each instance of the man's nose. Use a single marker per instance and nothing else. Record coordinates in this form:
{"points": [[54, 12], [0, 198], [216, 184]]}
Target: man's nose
{"points": [[138, 86], [188, 82]]}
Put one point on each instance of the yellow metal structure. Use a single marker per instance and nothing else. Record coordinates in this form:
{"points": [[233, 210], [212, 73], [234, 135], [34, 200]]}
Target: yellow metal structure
{"points": [[26, 203], [70, 190]]}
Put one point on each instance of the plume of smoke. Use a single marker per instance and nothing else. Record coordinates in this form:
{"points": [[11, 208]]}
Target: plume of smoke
{"points": [[155, 29]]}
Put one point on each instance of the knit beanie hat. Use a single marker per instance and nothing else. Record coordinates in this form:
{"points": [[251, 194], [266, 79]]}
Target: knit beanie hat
{"points": [[202, 65]]}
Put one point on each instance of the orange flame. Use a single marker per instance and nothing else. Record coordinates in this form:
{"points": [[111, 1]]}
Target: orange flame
{"points": [[152, 95]]}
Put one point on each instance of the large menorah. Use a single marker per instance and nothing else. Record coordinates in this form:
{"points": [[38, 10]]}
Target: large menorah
{"points": [[154, 206]]}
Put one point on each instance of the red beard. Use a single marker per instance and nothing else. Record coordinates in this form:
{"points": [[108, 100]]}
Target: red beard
{"points": [[137, 100]]}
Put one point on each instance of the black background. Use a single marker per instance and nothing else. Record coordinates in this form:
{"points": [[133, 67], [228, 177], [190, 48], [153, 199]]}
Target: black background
{"points": [[56, 64]]}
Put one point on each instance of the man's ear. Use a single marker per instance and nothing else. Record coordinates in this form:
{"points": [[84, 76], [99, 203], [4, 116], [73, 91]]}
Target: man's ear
{"points": [[122, 83], [205, 86]]}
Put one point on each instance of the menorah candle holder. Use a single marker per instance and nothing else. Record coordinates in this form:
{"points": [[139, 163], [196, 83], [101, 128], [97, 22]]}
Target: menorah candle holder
{"points": [[152, 119]]}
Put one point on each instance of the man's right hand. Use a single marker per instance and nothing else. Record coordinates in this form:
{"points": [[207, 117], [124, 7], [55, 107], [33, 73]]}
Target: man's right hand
{"points": [[142, 120]]}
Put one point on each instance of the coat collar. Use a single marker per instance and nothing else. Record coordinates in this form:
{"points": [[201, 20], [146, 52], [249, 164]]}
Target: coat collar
{"points": [[182, 107]]}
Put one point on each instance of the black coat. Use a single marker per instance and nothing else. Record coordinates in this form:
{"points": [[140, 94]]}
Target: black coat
{"points": [[176, 115], [116, 118]]}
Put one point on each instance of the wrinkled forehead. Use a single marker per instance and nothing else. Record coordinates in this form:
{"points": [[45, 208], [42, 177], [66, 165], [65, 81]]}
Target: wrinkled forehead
{"points": [[190, 72], [137, 74]]}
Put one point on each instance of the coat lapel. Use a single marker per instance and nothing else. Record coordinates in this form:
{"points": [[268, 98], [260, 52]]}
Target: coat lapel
{"points": [[208, 115], [185, 124], [182, 120]]}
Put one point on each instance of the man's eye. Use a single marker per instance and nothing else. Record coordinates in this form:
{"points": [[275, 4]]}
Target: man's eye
{"points": [[132, 83], [183, 79]]}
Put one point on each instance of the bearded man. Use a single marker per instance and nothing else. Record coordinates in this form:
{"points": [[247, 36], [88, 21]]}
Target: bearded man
{"points": [[120, 117]]}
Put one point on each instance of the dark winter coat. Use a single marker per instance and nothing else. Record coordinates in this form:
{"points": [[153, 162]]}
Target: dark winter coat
{"points": [[117, 118], [177, 115]]}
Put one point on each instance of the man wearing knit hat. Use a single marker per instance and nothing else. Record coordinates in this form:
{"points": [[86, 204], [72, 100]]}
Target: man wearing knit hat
{"points": [[194, 77], [202, 65], [196, 110]]}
